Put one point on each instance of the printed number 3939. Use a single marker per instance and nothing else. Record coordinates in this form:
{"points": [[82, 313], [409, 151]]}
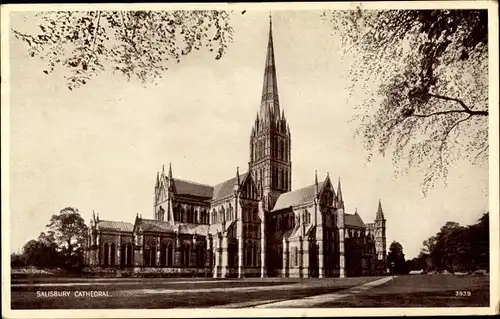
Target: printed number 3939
{"points": [[462, 293]]}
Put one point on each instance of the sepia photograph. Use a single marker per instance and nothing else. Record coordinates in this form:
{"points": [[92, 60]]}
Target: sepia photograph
{"points": [[279, 159]]}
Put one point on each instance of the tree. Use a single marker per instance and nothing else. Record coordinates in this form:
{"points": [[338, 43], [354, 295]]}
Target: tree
{"points": [[42, 253], [137, 44], [68, 230], [458, 248], [431, 68], [17, 260], [396, 258]]}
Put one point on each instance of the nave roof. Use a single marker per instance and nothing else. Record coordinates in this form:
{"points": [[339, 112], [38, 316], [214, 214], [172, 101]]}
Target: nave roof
{"points": [[115, 225], [226, 188], [183, 187], [354, 220], [297, 197]]}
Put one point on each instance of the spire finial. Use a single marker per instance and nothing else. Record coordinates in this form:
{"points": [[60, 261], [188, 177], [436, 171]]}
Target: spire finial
{"points": [[237, 181], [270, 17], [269, 95], [170, 170], [380, 212], [340, 199]]}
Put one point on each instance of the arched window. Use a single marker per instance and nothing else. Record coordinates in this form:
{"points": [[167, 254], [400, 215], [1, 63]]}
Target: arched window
{"points": [[153, 255], [113, 254], [200, 256], [276, 177], [106, 254], [248, 255], [147, 255], [187, 256], [163, 254], [129, 254], [285, 151], [282, 150], [287, 181], [176, 213], [283, 179], [296, 255], [222, 215], [256, 254], [122, 255]]}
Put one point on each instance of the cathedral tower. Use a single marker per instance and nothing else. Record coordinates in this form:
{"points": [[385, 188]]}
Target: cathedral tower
{"points": [[270, 138], [380, 238]]}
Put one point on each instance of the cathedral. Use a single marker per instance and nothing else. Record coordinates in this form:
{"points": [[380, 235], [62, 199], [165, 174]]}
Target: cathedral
{"points": [[251, 225]]}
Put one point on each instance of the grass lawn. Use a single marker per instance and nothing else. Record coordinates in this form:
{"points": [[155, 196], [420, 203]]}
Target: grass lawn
{"points": [[423, 291], [129, 294]]}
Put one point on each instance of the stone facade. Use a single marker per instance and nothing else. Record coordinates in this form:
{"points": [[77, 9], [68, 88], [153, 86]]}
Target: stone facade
{"points": [[250, 225]]}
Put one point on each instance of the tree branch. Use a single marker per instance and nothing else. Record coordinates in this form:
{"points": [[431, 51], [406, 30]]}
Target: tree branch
{"points": [[96, 31], [448, 131], [479, 154], [465, 107], [470, 112]]}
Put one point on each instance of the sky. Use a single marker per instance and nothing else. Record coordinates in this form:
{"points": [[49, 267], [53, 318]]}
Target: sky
{"points": [[99, 147]]}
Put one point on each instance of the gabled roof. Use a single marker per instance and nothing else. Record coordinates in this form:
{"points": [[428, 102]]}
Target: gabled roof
{"points": [[225, 188], [152, 225], [354, 220], [184, 187], [297, 197], [115, 225]]}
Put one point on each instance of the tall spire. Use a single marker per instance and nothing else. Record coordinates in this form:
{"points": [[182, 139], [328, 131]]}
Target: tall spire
{"points": [[316, 185], [237, 181], [340, 200], [380, 212], [270, 84]]}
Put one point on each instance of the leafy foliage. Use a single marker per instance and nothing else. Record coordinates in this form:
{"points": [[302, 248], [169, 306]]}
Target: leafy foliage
{"points": [[396, 258], [137, 44], [61, 246], [430, 68], [42, 252], [68, 230], [457, 248]]}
